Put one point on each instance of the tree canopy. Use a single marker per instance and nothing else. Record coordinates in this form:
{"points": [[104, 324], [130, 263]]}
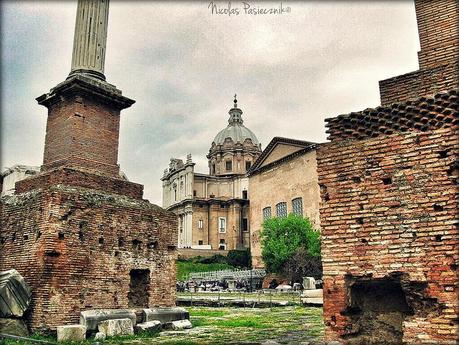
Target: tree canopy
{"points": [[282, 237]]}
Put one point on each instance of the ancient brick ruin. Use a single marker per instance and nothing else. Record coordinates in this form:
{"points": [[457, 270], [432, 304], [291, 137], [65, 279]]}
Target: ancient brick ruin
{"points": [[438, 58], [79, 233], [389, 189]]}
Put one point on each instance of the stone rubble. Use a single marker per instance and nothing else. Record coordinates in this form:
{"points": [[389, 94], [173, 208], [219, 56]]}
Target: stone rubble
{"points": [[71, 333], [116, 327]]}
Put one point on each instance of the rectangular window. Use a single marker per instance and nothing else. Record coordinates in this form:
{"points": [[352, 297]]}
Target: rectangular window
{"points": [[200, 224], [248, 165], [281, 209], [266, 213], [222, 224], [297, 206], [200, 242], [245, 224], [229, 165], [194, 193], [244, 194]]}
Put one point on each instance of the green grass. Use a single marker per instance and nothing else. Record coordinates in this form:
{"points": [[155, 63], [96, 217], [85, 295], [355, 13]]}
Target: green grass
{"points": [[186, 267], [222, 326]]}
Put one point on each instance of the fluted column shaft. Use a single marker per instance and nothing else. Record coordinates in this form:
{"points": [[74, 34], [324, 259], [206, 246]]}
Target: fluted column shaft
{"points": [[90, 38]]}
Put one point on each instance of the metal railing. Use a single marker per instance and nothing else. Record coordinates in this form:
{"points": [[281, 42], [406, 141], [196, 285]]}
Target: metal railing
{"points": [[227, 274]]}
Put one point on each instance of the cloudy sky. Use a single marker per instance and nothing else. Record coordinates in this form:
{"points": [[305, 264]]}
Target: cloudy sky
{"points": [[182, 64]]}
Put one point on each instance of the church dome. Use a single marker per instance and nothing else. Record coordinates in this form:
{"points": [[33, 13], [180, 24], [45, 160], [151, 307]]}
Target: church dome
{"points": [[235, 129]]}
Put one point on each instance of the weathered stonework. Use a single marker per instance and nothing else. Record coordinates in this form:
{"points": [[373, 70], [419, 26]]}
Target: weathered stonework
{"points": [[81, 235], [76, 248], [389, 206], [438, 58]]}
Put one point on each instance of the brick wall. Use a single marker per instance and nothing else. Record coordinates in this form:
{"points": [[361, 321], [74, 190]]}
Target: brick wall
{"points": [[422, 114], [439, 56], [84, 132], [438, 32], [389, 211], [80, 178], [76, 248], [423, 82]]}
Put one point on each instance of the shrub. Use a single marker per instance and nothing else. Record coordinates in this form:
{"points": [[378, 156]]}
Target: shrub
{"points": [[282, 237], [239, 258]]}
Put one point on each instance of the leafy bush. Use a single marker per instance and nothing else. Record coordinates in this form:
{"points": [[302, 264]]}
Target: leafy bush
{"points": [[282, 237], [239, 258]]}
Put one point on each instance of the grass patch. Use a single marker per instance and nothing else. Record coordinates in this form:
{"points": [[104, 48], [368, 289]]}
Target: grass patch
{"points": [[207, 312]]}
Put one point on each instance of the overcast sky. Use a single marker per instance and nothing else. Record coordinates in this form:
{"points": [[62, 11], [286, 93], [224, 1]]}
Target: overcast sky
{"points": [[182, 64]]}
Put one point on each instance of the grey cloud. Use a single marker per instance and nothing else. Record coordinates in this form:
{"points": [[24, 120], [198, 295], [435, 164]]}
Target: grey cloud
{"points": [[182, 65]]}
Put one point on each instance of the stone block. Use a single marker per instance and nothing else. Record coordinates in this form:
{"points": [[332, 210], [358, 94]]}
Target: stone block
{"points": [[116, 327], [100, 336], [150, 327], [92, 318], [71, 333], [179, 325], [309, 283], [165, 315], [15, 294], [13, 327], [315, 293]]}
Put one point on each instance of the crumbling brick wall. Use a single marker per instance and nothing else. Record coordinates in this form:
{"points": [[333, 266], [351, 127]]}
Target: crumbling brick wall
{"points": [[438, 58], [389, 216], [76, 248]]}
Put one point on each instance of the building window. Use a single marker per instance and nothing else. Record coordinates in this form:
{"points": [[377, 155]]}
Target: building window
{"points": [[194, 193], [244, 194], [200, 242], [281, 209], [222, 224], [297, 206], [266, 213], [245, 224], [200, 224], [213, 169], [222, 206], [222, 245], [248, 165], [229, 165]]}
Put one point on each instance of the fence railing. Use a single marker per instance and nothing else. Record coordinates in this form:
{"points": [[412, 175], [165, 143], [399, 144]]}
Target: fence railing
{"points": [[227, 274]]}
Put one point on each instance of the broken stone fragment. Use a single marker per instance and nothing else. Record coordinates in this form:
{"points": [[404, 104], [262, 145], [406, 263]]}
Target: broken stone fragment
{"points": [[13, 327], [116, 327], [165, 315], [150, 327], [179, 325], [100, 336], [71, 333], [92, 318], [15, 294]]}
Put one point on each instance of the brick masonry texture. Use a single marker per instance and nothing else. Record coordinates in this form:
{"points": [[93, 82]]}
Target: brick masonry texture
{"points": [[423, 114], [439, 56], [78, 177], [76, 248], [83, 237], [424, 82], [389, 204]]}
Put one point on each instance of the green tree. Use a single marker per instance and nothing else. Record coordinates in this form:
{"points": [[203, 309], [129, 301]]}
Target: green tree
{"points": [[282, 237]]}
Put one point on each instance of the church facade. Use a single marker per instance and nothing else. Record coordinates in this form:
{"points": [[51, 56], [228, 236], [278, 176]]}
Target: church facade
{"points": [[213, 209]]}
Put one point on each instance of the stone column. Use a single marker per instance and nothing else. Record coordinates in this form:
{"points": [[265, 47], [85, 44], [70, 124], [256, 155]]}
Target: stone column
{"points": [[90, 38]]}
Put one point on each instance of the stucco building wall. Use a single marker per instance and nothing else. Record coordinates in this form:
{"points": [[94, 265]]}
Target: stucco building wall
{"points": [[295, 178]]}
